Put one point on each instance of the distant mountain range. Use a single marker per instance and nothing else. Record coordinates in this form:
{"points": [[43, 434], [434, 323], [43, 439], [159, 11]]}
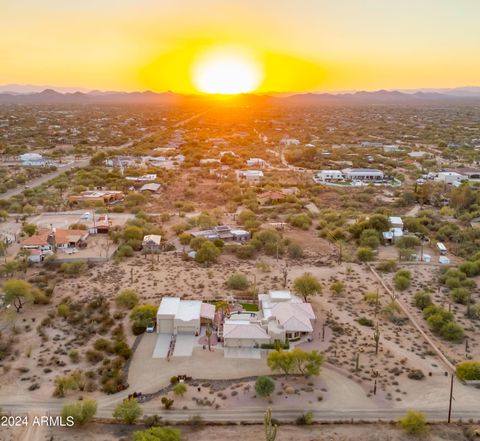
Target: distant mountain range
{"points": [[50, 96]]}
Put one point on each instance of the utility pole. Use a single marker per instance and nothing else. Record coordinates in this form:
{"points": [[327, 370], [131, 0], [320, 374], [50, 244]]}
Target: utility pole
{"points": [[450, 401]]}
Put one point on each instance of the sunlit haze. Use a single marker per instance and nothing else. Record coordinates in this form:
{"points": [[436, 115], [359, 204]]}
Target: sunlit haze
{"points": [[306, 45]]}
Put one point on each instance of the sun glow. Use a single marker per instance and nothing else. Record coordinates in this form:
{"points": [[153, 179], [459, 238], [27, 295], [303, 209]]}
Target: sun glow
{"points": [[226, 71]]}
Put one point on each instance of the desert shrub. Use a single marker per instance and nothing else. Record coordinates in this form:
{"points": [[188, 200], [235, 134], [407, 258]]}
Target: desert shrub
{"points": [[82, 411], [127, 298], [74, 356], [180, 389], [128, 411], [402, 280], [73, 269], [237, 280], [337, 287], [452, 331], [246, 251], [167, 402], [414, 423], [157, 434], [365, 254], [93, 356], [416, 374], [422, 299], [125, 251], [387, 266], [370, 238], [294, 250], [408, 242], [471, 269], [460, 295], [468, 371], [305, 419], [475, 311], [63, 310], [365, 322], [302, 221], [264, 386], [122, 349]]}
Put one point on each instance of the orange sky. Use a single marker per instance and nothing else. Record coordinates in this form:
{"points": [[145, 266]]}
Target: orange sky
{"points": [[301, 45]]}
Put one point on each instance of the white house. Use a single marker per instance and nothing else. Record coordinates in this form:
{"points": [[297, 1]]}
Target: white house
{"points": [[244, 334], [252, 162], [176, 316], [452, 178], [363, 174], [250, 175], [396, 222], [282, 317], [32, 160], [328, 175], [286, 316]]}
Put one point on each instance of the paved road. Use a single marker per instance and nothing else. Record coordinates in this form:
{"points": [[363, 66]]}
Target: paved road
{"points": [[44, 178], [255, 414]]}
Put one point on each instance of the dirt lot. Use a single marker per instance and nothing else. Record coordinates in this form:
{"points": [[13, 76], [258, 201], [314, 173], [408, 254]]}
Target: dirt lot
{"points": [[368, 432]]}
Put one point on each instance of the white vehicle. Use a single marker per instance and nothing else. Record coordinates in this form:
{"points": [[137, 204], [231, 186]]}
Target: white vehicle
{"points": [[150, 328], [85, 216], [441, 248]]}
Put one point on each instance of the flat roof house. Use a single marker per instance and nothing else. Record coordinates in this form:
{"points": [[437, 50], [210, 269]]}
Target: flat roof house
{"points": [[250, 175], [366, 174], [105, 196], [328, 175], [225, 233], [176, 316]]}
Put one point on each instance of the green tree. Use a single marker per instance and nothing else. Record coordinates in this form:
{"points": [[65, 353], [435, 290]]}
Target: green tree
{"points": [[17, 292], [142, 316], [264, 386], [307, 285], [132, 232], [127, 298], [29, 229], [128, 411], [82, 411], [208, 253], [157, 434], [9, 268], [281, 361], [414, 423]]}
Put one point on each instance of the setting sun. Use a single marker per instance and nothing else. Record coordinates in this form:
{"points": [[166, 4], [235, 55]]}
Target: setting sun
{"points": [[226, 72]]}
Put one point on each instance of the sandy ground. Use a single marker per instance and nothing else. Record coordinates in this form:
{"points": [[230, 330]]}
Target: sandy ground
{"points": [[368, 432]]}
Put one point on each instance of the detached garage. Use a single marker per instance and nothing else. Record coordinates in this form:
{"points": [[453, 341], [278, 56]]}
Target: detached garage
{"points": [[176, 316]]}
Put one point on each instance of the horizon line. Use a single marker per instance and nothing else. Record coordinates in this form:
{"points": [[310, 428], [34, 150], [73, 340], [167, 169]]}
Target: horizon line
{"points": [[71, 90]]}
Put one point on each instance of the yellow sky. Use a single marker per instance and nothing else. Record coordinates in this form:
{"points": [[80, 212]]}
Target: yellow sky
{"points": [[301, 45]]}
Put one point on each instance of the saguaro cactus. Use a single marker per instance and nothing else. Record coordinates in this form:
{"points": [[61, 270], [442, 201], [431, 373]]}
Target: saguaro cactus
{"points": [[376, 337], [270, 429]]}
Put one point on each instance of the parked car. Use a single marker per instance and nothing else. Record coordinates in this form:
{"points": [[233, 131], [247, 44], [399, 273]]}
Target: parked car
{"points": [[150, 328]]}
